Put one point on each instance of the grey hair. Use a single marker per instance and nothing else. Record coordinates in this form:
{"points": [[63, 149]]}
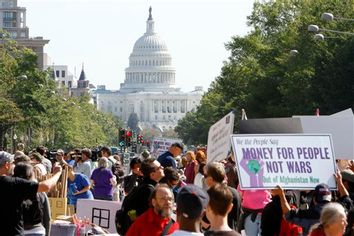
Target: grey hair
{"points": [[103, 162], [331, 212]]}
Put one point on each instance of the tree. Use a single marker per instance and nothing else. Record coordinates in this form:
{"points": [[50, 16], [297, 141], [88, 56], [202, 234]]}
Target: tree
{"points": [[264, 78]]}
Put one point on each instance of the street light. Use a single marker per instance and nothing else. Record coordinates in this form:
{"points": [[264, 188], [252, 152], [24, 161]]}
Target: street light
{"points": [[329, 17], [321, 37], [316, 29]]}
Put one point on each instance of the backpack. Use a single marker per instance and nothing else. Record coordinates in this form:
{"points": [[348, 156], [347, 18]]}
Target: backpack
{"points": [[126, 215]]}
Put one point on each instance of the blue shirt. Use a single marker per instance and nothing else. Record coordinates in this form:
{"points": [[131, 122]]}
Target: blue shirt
{"points": [[80, 182], [166, 159]]}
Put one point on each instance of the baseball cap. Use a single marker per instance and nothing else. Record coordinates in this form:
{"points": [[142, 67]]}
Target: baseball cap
{"points": [[5, 157], [322, 193], [191, 201]]}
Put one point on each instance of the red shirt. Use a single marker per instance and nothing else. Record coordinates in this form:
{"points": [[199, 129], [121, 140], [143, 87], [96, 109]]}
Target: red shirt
{"points": [[149, 223]]}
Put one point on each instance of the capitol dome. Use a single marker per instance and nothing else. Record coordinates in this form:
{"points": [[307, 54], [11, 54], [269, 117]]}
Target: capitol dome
{"points": [[150, 64]]}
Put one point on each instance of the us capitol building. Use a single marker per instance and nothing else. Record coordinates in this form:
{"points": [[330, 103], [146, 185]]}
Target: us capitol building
{"points": [[149, 87]]}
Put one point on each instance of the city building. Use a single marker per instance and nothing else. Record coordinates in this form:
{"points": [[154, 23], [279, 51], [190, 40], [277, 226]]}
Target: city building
{"points": [[149, 88], [13, 21]]}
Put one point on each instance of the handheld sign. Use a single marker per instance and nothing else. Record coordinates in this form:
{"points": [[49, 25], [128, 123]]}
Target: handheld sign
{"points": [[219, 138], [292, 161]]}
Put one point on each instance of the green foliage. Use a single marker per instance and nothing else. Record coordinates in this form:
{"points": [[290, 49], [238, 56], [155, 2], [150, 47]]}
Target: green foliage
{"points": [[40, 113], [268, 81]]}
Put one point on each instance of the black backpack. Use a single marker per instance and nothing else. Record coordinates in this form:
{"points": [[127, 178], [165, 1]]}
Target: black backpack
{"points": [[126, 215]]}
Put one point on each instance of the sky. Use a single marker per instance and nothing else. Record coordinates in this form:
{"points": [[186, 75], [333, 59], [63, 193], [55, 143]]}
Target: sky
{"points": [[101, 34]]}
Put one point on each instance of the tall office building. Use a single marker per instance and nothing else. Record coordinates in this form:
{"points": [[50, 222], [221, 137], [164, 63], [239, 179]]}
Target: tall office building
{"points": [[13, 21]]}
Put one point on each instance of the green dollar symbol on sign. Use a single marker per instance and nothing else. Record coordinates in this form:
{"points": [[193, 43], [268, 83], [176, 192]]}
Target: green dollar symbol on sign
{"points": [[253, 166]]}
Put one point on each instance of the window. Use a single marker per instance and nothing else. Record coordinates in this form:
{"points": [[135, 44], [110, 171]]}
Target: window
{"points": [[183, 106], [70, 84], [63, 73], [57, 73], [63, 83], [163, 106], [156, 106]]}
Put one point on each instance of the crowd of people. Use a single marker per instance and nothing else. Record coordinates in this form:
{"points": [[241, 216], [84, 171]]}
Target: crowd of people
{"points": [[176, 193]]}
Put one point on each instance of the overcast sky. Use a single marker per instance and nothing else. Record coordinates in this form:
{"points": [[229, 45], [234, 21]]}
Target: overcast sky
{"points": [[101, 34]]}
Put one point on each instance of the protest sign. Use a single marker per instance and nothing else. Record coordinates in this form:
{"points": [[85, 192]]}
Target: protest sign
{"points": [[100, 212], [292, 161], [219, 139], [340, 125], [161, 145]]}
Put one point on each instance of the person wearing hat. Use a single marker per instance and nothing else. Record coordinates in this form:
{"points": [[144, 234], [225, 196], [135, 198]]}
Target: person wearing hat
{"points": [[168, 158], [322, 196], [15, 191], [191, 203]]}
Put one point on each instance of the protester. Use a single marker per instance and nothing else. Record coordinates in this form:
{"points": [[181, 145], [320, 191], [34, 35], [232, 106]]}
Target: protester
{"points": [[189, 171], [36, 160], [333, 221], [106, 152], [157, 219], [231, 173], [15, 191], [36, 211], [191, 203], [273, 220], [218, 209], [215, 174], [78, 187], [83, 163], [171, 178], [168, 158], [136, 176], [46, 162], [153, 173], [322, 196], [199, 178], [253, 202], [103, 181]]}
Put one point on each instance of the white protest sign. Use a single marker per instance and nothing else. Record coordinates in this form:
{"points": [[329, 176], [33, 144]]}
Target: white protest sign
{"points": [[339, 125], [292, 161], [219, 138], [161, 145], [100, 212]]}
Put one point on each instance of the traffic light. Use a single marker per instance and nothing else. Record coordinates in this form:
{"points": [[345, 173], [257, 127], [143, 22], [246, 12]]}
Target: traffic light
{"points": [[140, 139], [128, 138], [122, 137]]}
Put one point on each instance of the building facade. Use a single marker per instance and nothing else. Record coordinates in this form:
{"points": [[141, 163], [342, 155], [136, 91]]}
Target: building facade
{"points": [[149, 88], [13, 21]]}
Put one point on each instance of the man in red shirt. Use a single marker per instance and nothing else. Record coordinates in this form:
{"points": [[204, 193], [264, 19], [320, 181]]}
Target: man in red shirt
{"points": [[157, 219]]}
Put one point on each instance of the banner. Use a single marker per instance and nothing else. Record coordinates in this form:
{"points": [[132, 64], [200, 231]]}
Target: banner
{"points": [[292, 161], [100, 212], [161, 145], [219, 138]]}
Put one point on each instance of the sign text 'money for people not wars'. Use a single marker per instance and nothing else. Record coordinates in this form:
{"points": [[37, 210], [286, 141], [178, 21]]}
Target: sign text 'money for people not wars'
{"points": [[292, 161], [219, 138]]}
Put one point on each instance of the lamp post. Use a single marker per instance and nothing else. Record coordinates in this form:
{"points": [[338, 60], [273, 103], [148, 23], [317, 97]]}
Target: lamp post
{"points": [[14, 139]]}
